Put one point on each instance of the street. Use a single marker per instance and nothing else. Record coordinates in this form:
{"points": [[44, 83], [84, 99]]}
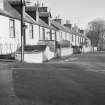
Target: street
{"points": [[74, 80]]}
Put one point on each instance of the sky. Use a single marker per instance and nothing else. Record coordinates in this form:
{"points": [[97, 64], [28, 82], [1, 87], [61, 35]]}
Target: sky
{"points": [[79, 12]]}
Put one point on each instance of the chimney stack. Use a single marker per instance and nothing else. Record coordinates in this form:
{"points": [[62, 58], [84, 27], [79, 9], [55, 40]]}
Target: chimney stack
{"points": [[57, 19], [68, 25]]}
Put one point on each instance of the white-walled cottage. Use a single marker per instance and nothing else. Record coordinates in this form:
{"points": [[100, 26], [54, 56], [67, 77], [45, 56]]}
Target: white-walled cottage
{"points": [[44, 38], [63, 37]]}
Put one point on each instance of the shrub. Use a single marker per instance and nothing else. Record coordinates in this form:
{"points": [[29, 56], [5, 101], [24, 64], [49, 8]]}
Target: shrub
{"points": [[64, 43]]}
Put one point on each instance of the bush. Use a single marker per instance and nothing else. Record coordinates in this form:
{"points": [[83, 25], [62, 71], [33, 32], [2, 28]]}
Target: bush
{"points": [[64, 43], [30, 48], [50, 44]]}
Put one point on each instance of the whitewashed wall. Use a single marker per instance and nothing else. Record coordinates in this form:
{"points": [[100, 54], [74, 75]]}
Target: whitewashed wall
{"points": [[87, 49], [17, 32], [66, 51], [68, 36], [35, 39], [1, 4], [73, 42], [7, 44], [53, 35], [63, 36], [47, 34], [4, 27], [58, 36], [41, 33], [77, 40]]}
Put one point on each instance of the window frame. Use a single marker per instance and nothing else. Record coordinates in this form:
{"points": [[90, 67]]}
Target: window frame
{"points": [[12, 28], [31, 31], [72, 38]]}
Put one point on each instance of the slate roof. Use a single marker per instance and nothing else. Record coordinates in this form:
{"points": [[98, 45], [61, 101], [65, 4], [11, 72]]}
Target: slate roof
{"points": [[5, 13], [30, 19], [15, 2], [11, 15], [15, 13], [44, 14], [59, 26], [31, 8], [43, 24], [78, 34], [55, 29], [41, 14], [34, 8], [65, 29], [40, 21]]}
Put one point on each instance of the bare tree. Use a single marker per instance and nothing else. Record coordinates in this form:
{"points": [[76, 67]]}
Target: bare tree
{"points": [[96, 29]]}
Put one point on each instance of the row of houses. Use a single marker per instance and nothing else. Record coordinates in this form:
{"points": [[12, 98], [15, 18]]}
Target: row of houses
{"points": [[44, 37]]}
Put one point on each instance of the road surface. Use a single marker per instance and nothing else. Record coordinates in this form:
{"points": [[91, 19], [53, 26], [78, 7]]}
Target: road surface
{"points": [[74, 80]]}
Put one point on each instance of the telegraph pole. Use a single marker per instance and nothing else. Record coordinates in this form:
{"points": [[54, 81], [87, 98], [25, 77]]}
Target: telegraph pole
{"points": [[22, 30]]}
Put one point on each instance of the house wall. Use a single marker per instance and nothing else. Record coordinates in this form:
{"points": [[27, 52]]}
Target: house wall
{"points": [[66, 51], [53, 35], [47, 34], [35, 39], [8, 44], [73, 41], [63, 36], [41, 33], [4, 27], [76, 42], [44, 33], [1, 4], [58, 35], [17, 39], [79, 40], [68, 36]]}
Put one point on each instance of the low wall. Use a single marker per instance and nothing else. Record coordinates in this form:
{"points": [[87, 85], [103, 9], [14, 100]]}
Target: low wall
{"points": [[33, 57], [66, 51], [36, 57], [86, 49], [49, 54]]}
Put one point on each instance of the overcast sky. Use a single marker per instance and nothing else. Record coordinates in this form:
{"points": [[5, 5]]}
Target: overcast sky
{"points": [[78, 11]]}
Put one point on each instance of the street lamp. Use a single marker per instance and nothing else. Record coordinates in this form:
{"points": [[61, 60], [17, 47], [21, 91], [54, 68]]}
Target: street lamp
{"points": [[22, 30], [23, 4]]}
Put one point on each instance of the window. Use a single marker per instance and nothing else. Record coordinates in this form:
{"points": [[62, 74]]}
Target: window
{"points": [[61, 36], [31, 31], [78, 39], [72, 38], [12, 28], [43, 33]]}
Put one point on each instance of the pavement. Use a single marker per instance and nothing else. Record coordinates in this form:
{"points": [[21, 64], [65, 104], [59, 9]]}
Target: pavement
{"points": [[74, 80]]}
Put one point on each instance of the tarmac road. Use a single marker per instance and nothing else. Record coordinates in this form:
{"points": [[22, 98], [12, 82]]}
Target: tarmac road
{"points": [[75, 80]]}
